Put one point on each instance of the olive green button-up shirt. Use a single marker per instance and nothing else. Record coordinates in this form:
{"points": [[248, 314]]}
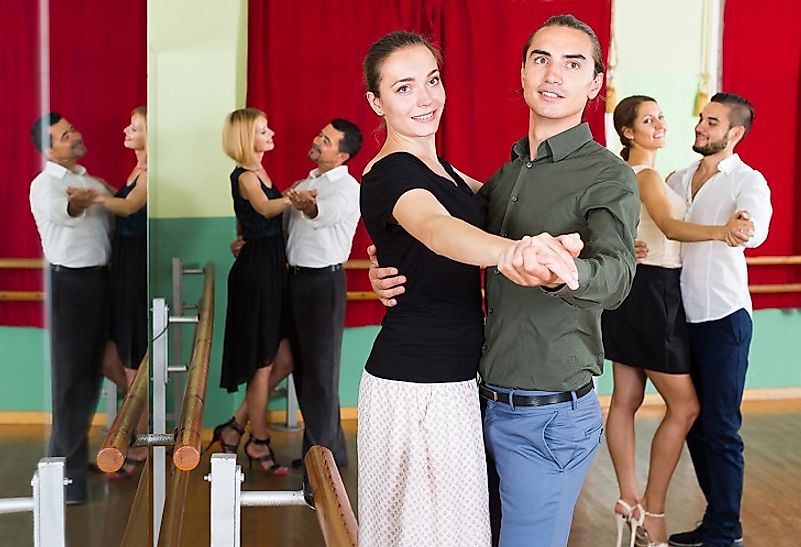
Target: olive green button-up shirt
{"points": [[550, 340]]}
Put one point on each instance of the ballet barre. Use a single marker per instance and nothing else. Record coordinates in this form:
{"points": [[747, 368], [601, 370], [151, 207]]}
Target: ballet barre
{"points": [[47, 503], [334, 513]]}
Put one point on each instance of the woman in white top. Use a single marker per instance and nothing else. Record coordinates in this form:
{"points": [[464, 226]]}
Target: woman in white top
{"points": [[646, 337]]}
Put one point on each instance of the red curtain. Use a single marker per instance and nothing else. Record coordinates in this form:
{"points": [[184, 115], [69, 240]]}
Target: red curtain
{"points": [[762, 62], [304, 68], [98, 66]]}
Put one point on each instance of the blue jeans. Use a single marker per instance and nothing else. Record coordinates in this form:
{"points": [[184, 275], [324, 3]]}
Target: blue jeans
{"points": [[542, 455], [718, 363]]}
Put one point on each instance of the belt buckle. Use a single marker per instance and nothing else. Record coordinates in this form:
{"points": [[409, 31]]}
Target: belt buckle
{"points": [[495, 394]]}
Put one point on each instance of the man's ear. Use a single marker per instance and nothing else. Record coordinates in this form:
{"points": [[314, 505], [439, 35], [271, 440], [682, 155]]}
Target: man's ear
{"points": [[595, 87], [342, 157], [375, 103], [737, 133]]}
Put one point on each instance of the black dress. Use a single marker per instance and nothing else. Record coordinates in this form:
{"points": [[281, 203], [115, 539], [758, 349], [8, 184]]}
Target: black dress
{"points": [[257, 315], [128, 284]]}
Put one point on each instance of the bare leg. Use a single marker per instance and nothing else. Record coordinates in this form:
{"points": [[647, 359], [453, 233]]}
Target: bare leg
{"points": [[112, 368], [280, 369], [682, 408], [627, 396]]}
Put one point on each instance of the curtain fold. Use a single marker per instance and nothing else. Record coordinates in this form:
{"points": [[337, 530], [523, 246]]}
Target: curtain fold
{"points": [[768, 75], [304, 68], [98, 67]]}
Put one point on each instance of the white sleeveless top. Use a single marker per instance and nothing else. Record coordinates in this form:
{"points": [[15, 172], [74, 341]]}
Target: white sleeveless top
{"points": [[661, 250]]}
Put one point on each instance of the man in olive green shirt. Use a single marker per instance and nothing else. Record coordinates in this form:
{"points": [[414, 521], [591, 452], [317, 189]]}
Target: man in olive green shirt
{"points": [[542, 423]]}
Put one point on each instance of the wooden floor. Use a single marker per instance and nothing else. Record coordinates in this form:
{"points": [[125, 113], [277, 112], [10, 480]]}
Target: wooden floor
{"points": [[771, 506]]}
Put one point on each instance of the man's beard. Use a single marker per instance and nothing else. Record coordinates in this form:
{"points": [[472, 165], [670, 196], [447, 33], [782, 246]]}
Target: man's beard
{"points": [[712, 147]]}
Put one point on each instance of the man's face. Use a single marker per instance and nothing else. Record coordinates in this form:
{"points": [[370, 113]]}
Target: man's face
{"points": [[713, 129], [558, 74], [67, 144], [325, 148]]}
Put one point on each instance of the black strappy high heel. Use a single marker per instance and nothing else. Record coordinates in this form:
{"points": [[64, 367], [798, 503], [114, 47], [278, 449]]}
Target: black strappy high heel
{"points": [[274, 468], [217, 436]]}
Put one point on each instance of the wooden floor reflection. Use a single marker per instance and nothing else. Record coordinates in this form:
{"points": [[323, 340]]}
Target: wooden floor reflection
{"points": [[771, 508]]}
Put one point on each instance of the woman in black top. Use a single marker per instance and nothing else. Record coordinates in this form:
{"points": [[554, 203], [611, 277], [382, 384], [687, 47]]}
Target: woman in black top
{"points": [[422, 471], [256, 319], [127, 296]]}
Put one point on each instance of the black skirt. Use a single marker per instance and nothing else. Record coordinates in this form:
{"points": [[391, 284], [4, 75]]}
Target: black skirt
{"points": [[128, 298], [257, 317], [649, 330]]}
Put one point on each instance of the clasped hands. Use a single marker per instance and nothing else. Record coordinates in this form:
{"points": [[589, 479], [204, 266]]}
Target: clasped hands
{"points": [[541, 260], [80, 199], [304, 201]]}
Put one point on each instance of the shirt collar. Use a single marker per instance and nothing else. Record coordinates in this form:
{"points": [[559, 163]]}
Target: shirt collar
{"points": [[59, 171], [333, 174], [729, 165], [557, 147]]}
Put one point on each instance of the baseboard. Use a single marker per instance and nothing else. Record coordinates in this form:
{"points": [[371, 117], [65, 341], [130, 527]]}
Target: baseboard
{"points": [[350, 413]]}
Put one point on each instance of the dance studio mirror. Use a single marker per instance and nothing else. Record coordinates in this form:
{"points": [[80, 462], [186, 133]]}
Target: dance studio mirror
{"points": [[74, 273]]}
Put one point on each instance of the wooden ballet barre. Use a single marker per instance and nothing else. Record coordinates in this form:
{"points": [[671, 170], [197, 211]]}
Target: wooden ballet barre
{"points": [[334, 513], [187, 437], [773, 260], [111, 455], [172, 519], [775, 289], [21, 263], [137, 528], [22, 296]]}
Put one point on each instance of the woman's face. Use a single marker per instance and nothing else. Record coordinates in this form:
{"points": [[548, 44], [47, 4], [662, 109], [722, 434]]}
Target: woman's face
{"points": [[136, 133], [264, 136], [649, 127], [412, 96]]}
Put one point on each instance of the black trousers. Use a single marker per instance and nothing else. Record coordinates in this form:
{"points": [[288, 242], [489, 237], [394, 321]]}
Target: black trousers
{"points": [[77, 323], [318, 311]]}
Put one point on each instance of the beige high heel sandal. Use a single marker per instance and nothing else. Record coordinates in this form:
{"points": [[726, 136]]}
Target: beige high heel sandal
{"points": [[623, 520], [639, 533]]}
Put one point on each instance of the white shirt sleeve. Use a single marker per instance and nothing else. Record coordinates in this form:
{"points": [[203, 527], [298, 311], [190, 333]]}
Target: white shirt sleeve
{"points": [[754, 196], [336, 207], [49, 203]]}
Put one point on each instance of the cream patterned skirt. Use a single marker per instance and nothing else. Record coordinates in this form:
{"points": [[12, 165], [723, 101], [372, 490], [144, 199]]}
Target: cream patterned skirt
{"points": [[422, 469]]}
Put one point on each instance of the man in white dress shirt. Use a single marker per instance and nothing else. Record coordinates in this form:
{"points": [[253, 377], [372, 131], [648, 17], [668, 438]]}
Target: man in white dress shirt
{"points": [[75, 241], [321, 226], [714, 286]]}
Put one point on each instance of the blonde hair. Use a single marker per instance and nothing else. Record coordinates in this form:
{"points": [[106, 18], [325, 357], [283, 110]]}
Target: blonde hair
{"points": [[239, 134]]}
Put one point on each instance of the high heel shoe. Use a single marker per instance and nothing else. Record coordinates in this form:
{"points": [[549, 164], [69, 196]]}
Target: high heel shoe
{"points": [[273, 468], [216, 436], [623, 520], [640, 534]]}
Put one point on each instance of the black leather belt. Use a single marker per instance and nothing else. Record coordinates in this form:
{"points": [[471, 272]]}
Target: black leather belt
{"points": [[532, 400], [300, 270], [60, 268]]}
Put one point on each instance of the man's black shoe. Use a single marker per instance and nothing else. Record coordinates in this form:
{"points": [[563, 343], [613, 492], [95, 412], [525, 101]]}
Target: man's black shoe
{"points": [[695, 538], [74, 495], [308, 497]]}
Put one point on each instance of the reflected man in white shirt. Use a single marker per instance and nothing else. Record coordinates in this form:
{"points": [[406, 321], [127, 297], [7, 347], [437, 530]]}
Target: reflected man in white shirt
{"points": [[75, 241], [321, 226], [714, 286]]}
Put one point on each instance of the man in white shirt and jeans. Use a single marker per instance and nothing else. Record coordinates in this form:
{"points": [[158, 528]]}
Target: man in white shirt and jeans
{"points": [[76, 244], [321, 226], [714, 287]]}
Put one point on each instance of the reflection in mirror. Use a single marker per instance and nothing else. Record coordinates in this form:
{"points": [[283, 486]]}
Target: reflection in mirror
{"points": [[74, 302]]}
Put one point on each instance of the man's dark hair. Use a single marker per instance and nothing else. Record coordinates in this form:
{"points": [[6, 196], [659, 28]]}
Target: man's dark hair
{"points": [[741, 111], [571, 21], [40, 133], [351, 141]]}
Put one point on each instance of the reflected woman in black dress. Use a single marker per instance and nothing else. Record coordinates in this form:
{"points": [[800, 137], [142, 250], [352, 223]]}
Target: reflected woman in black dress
{"points": [[257, 318], [128, 336]]}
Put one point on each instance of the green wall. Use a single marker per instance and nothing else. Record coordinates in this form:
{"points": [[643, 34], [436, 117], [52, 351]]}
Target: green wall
{"points": [[26, 380]]}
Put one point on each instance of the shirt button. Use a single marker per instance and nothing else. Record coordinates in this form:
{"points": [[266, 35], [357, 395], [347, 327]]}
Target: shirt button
{"points": [[485, 347], [504, 234], [495, 271], [489, 310], [529, 164], [514, 198]]}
